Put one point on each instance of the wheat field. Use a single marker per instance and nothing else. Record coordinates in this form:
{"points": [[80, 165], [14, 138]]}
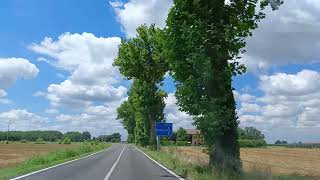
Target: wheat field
{"points": [[273, 160]]}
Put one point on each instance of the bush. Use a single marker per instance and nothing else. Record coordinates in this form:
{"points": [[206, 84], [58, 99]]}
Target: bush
{"points": [[23, 141], [39, 141], [59, 142], [252, 143], [66, 140], [167, 143], [182, 143], [94, 143]]}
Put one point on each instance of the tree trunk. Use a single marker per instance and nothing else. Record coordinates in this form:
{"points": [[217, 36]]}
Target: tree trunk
{"points": [[224, 151]]}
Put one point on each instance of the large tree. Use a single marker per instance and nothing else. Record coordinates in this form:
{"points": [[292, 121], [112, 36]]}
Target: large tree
{"points": [[204, 40], [141, 59]]}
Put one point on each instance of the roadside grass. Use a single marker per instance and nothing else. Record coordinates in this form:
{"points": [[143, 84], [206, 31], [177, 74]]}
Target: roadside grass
{"points": [[193, 171], [38, 162]]}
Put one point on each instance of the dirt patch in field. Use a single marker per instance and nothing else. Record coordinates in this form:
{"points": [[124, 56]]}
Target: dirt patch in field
{"points": [[13, 154], [289, 161]]}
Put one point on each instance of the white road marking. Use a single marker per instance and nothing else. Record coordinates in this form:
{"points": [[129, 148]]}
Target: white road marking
{"points": [[114, 165], [171, 172], [23, 176]]}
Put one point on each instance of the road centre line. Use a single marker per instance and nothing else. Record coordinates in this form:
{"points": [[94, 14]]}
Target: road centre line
{"points": [[114, 165]]}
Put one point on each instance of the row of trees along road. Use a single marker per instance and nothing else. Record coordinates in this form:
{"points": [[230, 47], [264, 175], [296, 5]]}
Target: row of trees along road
{"points": [[200, 47], [45, 135]]}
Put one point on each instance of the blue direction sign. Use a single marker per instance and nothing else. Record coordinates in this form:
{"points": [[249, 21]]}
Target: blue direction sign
{"points": [[163, 129]]}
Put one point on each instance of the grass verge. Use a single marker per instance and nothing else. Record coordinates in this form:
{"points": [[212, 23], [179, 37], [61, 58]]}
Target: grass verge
{"points": [[38, 162], [192, 171]]}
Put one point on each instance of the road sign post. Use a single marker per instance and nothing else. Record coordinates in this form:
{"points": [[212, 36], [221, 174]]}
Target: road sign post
{"points": [[162, 129]]}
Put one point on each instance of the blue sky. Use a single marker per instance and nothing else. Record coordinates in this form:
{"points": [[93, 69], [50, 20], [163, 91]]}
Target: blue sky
{"points": [[51, 75]]}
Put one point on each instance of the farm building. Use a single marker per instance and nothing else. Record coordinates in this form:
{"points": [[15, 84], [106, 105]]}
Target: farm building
{"points": [[194, 137]]}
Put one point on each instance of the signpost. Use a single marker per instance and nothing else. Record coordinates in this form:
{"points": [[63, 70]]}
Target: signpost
{"points": [[162, 129]]}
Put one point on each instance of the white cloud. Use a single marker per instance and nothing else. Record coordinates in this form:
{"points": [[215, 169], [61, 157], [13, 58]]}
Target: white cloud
{"points": [[290, 101], [21, 119], [39, 94], [288, 36], [304, 82], [116, 4], [5, 101], [174, 115], [93, 87], [136, 12], [51, 111], [89, 60], [12, 69], [96, 119], [2, 93]]}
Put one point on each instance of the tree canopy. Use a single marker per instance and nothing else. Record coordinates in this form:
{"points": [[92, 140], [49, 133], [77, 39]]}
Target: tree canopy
{"points": [[250, 133]]}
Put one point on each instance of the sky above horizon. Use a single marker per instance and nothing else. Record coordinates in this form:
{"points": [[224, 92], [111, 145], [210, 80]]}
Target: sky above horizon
{"points": [[56, 68]]}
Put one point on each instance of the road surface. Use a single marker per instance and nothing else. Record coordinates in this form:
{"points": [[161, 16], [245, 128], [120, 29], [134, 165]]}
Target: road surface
{"points": [[120, 162]]}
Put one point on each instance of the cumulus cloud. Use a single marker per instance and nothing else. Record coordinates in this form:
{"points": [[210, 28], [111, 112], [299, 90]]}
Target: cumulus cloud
{"points": [[289, 101], [96, 119], [136, 12], [174, 115], [89, 60], [12, 69], [288, 36], [93, 86], [21, 119]]}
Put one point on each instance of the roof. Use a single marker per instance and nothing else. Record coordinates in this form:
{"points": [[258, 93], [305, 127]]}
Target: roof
{"points": [[192, 131]]}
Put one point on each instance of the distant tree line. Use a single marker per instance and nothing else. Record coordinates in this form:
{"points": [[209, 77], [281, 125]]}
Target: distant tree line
{"points": [[115, 137], [45, 135], [281, 142]]}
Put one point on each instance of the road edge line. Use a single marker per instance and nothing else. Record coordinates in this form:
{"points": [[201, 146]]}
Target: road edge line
{"points": [[41, 170], [114, 165], [163, 167]]}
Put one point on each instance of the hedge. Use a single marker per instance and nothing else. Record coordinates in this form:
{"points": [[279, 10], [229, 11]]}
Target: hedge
{"points": [[167, 143], [252, 143], [181, 143]]}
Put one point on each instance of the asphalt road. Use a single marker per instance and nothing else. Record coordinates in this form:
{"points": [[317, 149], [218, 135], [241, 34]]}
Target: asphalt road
{"points": [[120, 162]]}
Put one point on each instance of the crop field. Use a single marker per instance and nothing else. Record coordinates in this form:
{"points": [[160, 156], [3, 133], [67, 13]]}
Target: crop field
{"points": [[13, 154], [271, 160]]}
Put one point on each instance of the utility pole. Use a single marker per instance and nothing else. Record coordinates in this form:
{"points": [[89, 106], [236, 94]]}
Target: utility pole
{"points": [[8, 130]]}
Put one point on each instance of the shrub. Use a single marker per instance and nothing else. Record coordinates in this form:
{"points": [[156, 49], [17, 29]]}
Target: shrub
{"points": [[39, 141], [182, 143], [94, 143], [252, 143], [59, 142], [23, 141], [167, 143], [66, 140]]}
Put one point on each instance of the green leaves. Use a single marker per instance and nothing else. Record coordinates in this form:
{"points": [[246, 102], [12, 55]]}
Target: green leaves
{"points": [[204, 39], [142, 60]]}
